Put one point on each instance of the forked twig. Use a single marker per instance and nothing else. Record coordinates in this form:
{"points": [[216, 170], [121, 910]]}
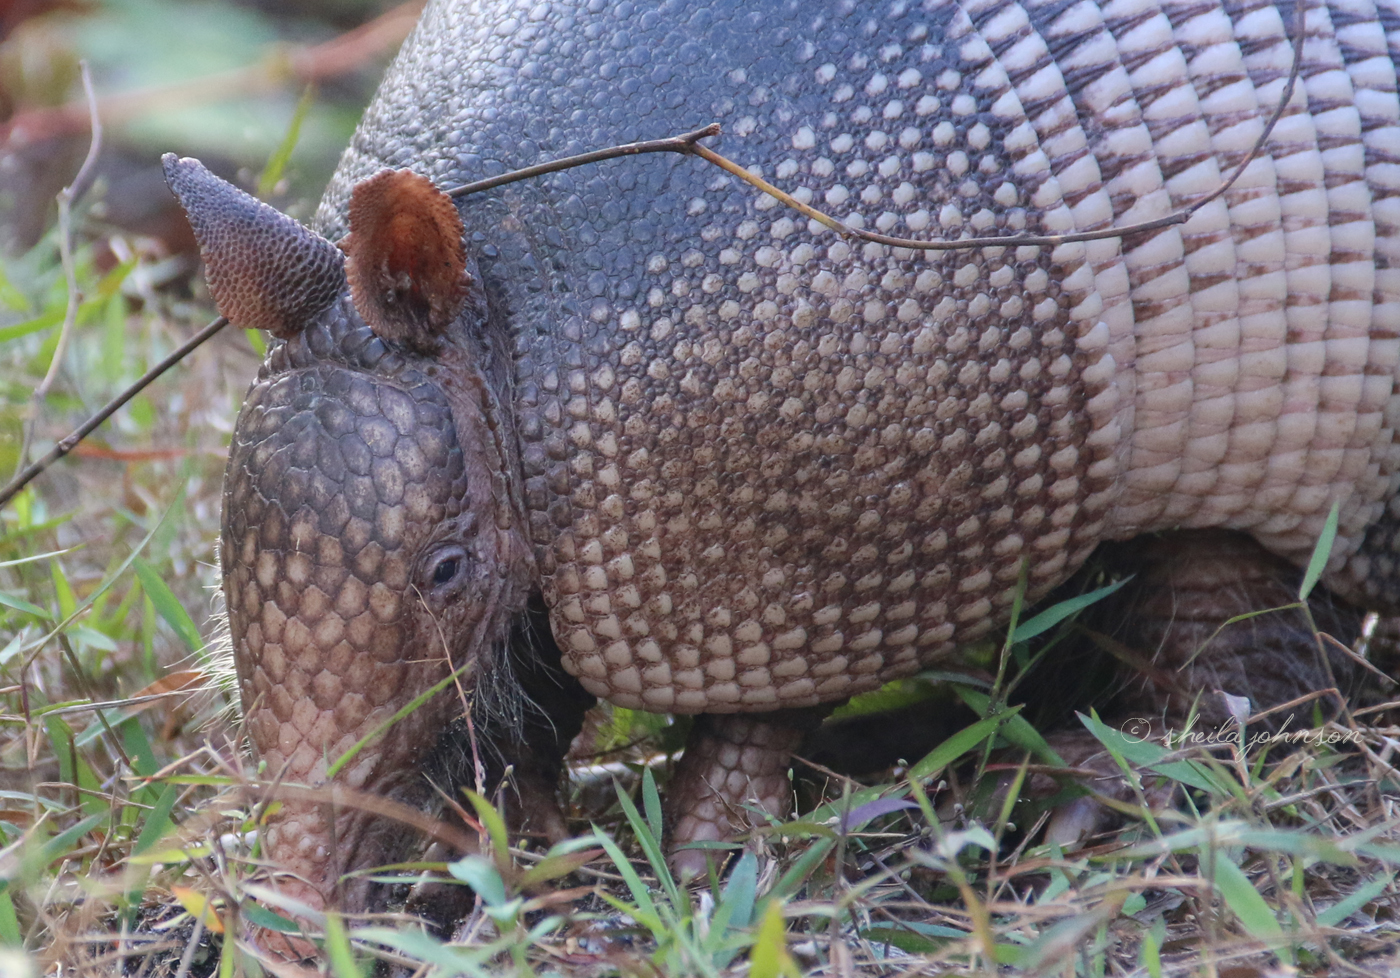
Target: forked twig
{"points": [[685, 144], [689, 144]]}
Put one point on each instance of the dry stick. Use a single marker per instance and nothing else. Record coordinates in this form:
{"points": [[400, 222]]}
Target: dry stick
{"points": [[685, 144], [112, 407], [67, 197], [689, 145], [1013, 241]]}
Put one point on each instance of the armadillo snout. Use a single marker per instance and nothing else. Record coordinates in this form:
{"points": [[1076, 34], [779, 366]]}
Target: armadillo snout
{"points": [[356, 579]]}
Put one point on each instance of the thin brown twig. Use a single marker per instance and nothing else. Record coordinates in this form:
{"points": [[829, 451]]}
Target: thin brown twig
{"points": [[67, 197], [112, 407], [1027, 240], [688, 144]]}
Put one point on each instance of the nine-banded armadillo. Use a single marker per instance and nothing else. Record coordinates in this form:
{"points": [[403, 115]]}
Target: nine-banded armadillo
{"points": [[754, 467]]}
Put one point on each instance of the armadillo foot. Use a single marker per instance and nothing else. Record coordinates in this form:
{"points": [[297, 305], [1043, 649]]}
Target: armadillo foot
{"points": [[733, 773]]}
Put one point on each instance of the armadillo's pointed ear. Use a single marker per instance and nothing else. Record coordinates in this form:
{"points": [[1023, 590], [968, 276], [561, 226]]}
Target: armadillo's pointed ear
{"points": [[405, 259], [264, 269]]}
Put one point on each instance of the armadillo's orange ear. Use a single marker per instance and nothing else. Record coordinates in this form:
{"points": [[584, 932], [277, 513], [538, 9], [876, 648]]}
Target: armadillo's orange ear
{"points": [[264, 269], [405, 259]]}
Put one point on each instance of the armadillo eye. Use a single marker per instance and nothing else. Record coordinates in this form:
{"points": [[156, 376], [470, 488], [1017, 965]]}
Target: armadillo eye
{"points": [[444, 568]]}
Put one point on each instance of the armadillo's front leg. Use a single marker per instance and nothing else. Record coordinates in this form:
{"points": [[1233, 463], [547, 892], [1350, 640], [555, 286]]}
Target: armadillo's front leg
{"points": [[734, 767]]}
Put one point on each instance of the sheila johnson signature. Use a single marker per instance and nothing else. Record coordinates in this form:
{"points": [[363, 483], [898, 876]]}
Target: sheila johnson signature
{"points": [[1232, 733]]}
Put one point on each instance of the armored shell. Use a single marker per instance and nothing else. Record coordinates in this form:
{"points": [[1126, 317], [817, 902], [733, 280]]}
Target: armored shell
{"points": [[767, 467]]}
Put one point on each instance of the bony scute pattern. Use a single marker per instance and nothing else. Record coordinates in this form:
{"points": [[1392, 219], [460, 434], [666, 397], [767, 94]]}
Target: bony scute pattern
{"points": [[768, 467], [747, 466], [924, 417], [343, 459]]}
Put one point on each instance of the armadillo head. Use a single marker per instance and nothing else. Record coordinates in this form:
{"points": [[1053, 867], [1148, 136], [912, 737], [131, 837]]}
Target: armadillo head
{"points": [[371, 540]]}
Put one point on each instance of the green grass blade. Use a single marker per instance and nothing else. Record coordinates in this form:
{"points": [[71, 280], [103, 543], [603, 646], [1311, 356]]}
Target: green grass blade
{"points": [[495, 826], [740, 891], [10, 934], [639, 890], [61, 843], [260, 916], [277, 162], [1340, 911], [158, 820], [19, 604], [343, 963], [1318, 561], [651, 802], [1016, 729], [651, 846], [1245, 901], [1055, 614], [957, 745], [167, 605], [408, 708], [770, 957]]}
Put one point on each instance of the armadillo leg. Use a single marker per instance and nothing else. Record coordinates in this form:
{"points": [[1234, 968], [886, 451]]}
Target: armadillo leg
{"points": [[735, 767], [1173, 617], [1167, 622]]}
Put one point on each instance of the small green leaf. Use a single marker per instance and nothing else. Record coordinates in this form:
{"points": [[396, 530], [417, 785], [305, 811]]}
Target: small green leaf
{"points": [[770, 957], [481, 875], [958, 745], [1323, 549], [888, 698], [1057, 613], [167, 605], [1340, 911], [343, 964], [260, 916], [1244, 900]]}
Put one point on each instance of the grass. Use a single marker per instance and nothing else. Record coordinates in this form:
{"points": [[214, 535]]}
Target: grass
{"points": [[127, 846]]}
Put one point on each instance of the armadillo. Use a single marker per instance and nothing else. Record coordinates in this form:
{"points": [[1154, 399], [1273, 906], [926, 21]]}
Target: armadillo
{"points": [[749, 466]]}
